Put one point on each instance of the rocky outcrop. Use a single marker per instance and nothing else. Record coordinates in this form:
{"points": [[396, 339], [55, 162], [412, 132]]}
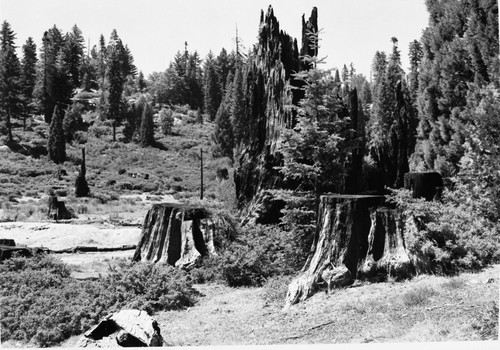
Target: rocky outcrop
{"points": [[359, 237], [175, 234], [127, 328]]}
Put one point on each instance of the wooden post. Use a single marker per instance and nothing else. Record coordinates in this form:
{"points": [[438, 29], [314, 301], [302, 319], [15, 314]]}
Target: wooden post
{"points": [[201, 173], [113, 123]]}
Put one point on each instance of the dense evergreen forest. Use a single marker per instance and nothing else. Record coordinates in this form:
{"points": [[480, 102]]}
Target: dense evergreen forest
{"points": [[286, 123]]}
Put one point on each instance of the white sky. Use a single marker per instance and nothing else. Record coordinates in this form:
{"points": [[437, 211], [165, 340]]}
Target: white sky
{"points": [[154, 30]]}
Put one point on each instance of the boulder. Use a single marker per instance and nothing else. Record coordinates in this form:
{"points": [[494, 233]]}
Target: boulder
{"points": [[127, 328]]}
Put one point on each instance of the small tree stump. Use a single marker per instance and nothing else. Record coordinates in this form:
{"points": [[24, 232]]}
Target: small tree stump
{"points": [[58, 211]]}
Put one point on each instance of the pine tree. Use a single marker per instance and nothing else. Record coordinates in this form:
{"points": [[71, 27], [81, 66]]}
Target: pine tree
{"points": [[74, 46], [238, 107], [211, 88], [146, 131], [345, 74], [389, 119], [415, 54], [28, 73], [114, 79], [223, 133], [460, 47], [140, 82], [56, 143], [54, 84], [10, 74]]}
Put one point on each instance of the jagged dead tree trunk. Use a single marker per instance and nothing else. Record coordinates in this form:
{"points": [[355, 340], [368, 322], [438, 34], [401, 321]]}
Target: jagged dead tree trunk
{"points": [[359, 237], [175, 235]]}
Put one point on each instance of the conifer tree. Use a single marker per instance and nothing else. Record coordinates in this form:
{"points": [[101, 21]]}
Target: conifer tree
{"points": [[28, 73], [146, 132], [56, 143], [74, 46], [140, 82], [211, 88], [10, 74], [223, 133], [114, 79], [460, 47], [238, 107], [345, 74]]}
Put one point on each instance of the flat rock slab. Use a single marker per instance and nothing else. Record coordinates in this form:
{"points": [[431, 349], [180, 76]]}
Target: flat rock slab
{"points": [[58, 236]]}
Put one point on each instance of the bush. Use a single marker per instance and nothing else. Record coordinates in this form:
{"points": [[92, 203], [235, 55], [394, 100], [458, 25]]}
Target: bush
{"points": [[41, 303], [418, 296], [166, 121], [98, 130], [450, 237], [260, 253]]}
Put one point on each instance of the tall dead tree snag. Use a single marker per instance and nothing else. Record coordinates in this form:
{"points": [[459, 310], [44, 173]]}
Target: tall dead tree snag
{"points": [[176, 235], [358, 237], [81, 185]]}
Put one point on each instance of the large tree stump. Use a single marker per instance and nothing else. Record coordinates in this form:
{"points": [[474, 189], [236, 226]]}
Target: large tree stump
{"points": [[358, 237], [176, 235], [424, 185]]}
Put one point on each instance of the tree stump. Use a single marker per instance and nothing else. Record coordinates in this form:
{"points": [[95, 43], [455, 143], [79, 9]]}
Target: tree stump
{"points": [[126, 328], [357, 233], [424, 185], [176, 235], [58, 211]]}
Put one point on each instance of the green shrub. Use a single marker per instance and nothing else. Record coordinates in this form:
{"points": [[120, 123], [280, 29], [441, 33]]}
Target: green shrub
{"points": [[449, 236], [275, 289], [260, 253], [418, 296], [42, 304], [98, 130], [486, 323]]}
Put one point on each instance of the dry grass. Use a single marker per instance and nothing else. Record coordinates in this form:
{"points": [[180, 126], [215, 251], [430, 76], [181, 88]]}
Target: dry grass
{"points": [[172, 168], [426, 309]]}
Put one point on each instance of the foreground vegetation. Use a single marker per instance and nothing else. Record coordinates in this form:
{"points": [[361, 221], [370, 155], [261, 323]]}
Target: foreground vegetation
{"points": [[42, 305]]}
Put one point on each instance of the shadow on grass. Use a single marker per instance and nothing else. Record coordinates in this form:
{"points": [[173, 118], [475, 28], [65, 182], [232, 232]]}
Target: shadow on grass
{"points": [[159, 145], [26, 150]]}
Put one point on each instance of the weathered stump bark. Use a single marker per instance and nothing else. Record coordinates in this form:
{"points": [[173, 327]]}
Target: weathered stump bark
{"points": [[58, 211], [424, 185], [358, 238], [175, 235], [386, 255]]}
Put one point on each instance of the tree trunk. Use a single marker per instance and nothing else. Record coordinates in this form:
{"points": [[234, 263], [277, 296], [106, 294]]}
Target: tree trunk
{"points": [[57, 210], [175, 235], [424, 185], [358, 237]]}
